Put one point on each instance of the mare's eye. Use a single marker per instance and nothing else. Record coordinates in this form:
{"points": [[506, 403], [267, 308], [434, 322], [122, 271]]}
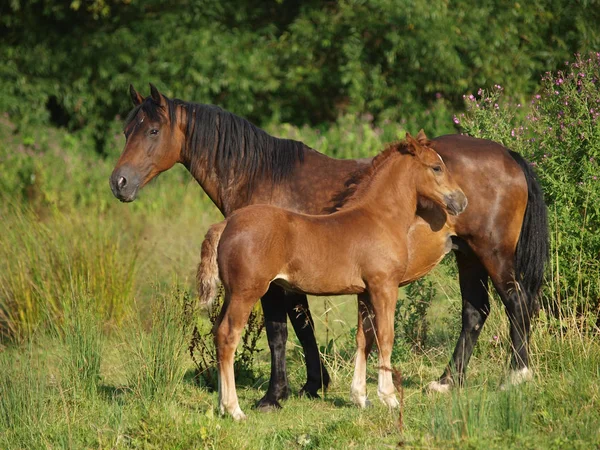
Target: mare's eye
{"points": [[153, 131], [437, 169]]}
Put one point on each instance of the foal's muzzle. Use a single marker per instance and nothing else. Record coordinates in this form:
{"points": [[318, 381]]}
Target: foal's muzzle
{"points": [[456, 202], [124, 183]]}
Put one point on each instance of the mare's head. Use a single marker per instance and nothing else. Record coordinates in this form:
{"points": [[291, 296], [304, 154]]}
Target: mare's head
{"points": [[434, 181], [153, 144]]}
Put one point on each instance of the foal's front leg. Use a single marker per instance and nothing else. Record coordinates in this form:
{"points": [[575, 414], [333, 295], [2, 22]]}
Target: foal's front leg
{"points": [[384, 298]]}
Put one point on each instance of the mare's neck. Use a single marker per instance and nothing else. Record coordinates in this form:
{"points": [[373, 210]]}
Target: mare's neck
{"points": [[197, 162]]}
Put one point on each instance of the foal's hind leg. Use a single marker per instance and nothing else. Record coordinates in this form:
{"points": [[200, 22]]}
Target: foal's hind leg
{"points": [[234, 316], [365, 335], [475, 309], [384, 304]]}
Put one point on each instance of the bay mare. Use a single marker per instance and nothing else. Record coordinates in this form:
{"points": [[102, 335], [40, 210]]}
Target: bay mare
{"points": [[502, 235], [362, 248]]}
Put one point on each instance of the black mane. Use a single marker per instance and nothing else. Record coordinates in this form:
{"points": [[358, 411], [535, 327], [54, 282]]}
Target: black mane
{"points": [[236, 148]]}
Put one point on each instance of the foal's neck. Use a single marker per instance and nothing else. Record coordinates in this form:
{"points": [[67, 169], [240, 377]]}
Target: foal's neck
{"points": [[392, 192]]}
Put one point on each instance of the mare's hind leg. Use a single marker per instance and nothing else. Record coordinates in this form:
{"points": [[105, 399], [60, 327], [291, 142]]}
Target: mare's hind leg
{"points": [[500, 266], [233, 318], [276, 326], [473, 280], [365, 336], [304, 326]]}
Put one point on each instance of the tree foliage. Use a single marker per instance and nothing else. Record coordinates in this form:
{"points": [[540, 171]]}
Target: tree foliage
{"points": [[70, 63]]}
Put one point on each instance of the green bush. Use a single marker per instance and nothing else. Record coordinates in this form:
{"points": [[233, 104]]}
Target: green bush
{"points": [[560, 135]]}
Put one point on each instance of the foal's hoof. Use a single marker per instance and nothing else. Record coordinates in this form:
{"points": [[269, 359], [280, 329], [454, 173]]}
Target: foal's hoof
{"points": [[390, 400], [360, 400], [267, 404], [238, 415], [516, 377], [436, 386]]}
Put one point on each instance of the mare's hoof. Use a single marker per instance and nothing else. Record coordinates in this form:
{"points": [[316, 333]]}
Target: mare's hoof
{"points": [[436, 386], [266, 404], [517, 377], [308, 393]]}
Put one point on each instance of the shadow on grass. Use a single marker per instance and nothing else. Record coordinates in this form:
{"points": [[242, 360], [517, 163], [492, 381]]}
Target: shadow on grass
{"points": [[114, 393]]}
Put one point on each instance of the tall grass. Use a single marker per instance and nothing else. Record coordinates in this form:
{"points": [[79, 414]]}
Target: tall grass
{"points": [[157, 357], [44, 260], [23, 394], [83, 339]]}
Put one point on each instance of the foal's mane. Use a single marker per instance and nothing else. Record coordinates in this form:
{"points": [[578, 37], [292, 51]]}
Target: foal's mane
{"points": [[236, 148], [358, 182]]}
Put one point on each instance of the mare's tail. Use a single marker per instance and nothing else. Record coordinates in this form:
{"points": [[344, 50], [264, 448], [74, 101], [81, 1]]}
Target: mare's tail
{"points": [[207, 277], [533, 247]]}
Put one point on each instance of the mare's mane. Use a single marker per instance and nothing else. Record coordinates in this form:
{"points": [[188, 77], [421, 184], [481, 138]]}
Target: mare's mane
{"points": [[237, 149], [358, 182]]}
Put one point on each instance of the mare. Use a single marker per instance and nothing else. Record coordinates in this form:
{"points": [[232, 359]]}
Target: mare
{"points": [[364, 247], [503, 234]]}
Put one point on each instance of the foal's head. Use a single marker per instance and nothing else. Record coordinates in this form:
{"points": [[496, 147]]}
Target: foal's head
{"points": [[434, 182], [153, 144]]}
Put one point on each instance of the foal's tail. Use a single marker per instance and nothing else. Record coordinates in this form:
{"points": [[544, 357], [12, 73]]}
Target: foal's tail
{"points": [[533, 247], [207, 277]]}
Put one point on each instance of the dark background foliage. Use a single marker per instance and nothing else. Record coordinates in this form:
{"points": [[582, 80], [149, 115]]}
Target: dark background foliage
{"points": [[69, 63]]}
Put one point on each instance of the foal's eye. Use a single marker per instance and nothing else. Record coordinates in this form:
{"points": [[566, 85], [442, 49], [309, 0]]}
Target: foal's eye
{"points": [[153, 131], [437, 169]]}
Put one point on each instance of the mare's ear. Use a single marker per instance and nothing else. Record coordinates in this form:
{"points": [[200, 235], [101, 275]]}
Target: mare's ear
{"points": [[412, 145], [136, 98], [422, 138], [157, 96]]}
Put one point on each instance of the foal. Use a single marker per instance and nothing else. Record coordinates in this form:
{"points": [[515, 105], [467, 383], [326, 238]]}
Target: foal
{"points": [[363, 247]]}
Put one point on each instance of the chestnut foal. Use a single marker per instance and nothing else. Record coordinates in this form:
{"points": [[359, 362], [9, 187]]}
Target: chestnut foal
{"points": [[362, 248]]}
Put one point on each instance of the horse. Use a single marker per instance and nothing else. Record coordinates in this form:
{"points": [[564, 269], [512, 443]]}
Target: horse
{"points": [[503, 235], [362, 247]]}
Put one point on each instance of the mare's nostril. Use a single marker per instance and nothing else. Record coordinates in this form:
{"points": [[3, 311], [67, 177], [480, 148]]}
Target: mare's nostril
{"points": [[122, 182]]}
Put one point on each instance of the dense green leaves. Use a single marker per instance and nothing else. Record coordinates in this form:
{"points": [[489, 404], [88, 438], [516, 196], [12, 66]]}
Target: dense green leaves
{"points": [[71, 62]]}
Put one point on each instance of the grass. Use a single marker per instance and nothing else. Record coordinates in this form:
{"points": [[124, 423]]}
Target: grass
{"points": [[143, 397]]}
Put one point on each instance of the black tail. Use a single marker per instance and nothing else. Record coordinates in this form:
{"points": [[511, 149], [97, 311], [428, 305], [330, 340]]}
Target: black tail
{"points": [[533, 248]]}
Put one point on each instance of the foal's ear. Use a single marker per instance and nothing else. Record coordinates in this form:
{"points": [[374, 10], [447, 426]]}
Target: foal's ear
{"points": [[156, 96], [136, 98], [422, 138], [412, 145]]}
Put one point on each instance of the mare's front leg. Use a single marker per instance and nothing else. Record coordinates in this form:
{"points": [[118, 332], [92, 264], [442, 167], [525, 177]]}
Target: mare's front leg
{"points": [[473, 279], [365, 335], [384, 298], [233, 318], [304, 326], [274, 312]]}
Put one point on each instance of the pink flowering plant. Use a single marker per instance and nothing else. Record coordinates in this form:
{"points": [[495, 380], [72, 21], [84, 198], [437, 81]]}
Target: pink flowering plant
{"points": [[559, 133]]}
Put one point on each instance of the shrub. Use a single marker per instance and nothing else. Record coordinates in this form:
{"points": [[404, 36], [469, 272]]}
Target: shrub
{"points": [[560, 135]]}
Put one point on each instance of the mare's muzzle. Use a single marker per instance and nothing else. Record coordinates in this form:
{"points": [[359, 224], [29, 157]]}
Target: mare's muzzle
{"points": [[456, 202], [124, 183]]}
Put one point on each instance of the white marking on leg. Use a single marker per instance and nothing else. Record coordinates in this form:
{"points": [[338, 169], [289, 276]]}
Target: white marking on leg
{"points": [[516, 377], [358, 389], [436, 386], [385, 387]]}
